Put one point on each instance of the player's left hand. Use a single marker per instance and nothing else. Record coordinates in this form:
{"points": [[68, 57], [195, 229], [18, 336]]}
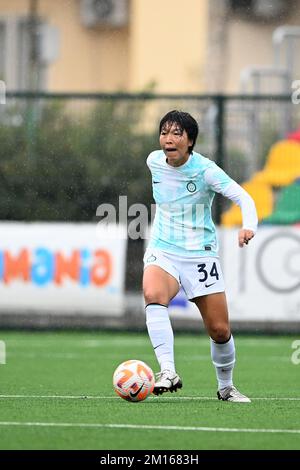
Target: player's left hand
{"points": [[245, 236]]}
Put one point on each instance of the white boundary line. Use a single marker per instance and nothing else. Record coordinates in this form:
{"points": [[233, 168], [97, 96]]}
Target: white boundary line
{"points": [[149, 427], [113, 397]]}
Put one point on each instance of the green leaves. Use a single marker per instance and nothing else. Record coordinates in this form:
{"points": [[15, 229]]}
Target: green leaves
{"points": [[60, 160]]}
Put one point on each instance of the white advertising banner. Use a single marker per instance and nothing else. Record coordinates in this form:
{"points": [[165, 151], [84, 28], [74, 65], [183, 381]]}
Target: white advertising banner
{"points": [[262, 279], [62, 268]]}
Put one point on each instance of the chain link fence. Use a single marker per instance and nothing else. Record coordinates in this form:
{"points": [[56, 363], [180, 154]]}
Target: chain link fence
{"points": [[62, 155]]}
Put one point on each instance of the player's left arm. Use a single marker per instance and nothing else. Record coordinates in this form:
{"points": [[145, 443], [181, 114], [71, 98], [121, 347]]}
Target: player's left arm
{"points": [[237, 194], [221, 183]]}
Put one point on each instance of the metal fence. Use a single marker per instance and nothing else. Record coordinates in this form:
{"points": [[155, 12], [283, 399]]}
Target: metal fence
{"points": [[235, 131], [79, 150]]}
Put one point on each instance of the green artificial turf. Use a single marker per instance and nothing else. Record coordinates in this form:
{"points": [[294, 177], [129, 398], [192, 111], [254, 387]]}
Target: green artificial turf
{"points": [[63, 381]]}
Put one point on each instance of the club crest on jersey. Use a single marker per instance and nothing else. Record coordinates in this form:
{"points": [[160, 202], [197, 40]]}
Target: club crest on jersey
{"points": [[191, 187], [151, 259]]}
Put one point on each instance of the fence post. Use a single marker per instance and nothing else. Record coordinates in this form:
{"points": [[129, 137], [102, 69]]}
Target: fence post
{"points": [[219, 147], [2, 352]]}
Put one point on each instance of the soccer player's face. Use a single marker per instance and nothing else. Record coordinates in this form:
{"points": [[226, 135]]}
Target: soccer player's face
{"points": [[175, 144]]}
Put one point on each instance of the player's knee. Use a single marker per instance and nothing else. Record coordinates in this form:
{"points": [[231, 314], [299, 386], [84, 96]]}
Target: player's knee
{"points": [[155, 296], [220, 332]]}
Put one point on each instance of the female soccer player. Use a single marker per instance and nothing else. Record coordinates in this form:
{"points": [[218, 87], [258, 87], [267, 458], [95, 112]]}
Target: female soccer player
{"points": [[183, 249]]}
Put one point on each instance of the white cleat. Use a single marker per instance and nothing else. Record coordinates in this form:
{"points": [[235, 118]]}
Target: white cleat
{"points": [[167, 381], [232, 394]]}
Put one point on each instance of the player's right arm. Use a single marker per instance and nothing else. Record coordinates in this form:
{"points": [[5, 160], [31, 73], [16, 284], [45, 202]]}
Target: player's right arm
{"points": [[150, 159]]}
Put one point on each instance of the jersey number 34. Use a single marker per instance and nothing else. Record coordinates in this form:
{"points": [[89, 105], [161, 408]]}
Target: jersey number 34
{"points": [[204, 273]]}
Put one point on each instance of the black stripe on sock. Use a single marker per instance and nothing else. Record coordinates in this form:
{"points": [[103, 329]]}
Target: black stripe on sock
{"points": [[223, 342], [155, 303]]}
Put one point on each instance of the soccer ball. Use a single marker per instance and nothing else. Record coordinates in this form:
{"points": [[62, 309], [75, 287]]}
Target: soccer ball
{"points": [[133, 380]]}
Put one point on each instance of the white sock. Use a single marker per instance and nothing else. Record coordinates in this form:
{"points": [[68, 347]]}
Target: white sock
{"points": [[223, 358], [161, 335]]}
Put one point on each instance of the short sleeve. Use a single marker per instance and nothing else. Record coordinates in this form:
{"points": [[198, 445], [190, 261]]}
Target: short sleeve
{"points": [[216, 178], [150, 160]]}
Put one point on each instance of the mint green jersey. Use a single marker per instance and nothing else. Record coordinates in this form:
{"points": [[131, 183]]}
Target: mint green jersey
{"points": [[183, 224]]}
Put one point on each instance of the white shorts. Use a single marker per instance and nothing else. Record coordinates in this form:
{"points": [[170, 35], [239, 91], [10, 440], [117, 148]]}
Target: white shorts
{"points": [[197, 275]]}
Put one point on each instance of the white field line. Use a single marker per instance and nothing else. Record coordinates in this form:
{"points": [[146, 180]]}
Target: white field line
{"points": [[113, 397], [148, 427], [105, 342], [71, 356], [76, 356]]}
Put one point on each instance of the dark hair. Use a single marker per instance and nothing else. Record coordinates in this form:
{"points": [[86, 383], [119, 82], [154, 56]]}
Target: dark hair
{"points": [[184, 121]]}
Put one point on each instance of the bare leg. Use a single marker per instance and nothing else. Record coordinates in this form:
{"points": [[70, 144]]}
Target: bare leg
{"points": [[213, 309], [159, 286]]}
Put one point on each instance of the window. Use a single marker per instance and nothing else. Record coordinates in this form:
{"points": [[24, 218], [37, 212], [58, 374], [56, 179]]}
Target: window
{"points": [[16, 66], [237, 5], [2, 53]]}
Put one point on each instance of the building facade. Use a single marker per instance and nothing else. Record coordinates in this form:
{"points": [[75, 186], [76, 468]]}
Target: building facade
{"points": [[199, 46]]}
